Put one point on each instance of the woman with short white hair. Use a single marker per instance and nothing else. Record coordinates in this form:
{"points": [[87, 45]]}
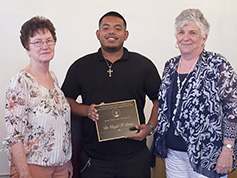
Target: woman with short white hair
{"points": [[197, 117]]}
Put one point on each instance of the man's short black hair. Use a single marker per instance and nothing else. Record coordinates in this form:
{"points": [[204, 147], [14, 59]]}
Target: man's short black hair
{"points": [[114, 14]]}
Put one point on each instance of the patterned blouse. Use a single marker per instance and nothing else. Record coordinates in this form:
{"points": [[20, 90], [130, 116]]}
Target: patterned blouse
{"points": [[40, 119], [208, 106]]}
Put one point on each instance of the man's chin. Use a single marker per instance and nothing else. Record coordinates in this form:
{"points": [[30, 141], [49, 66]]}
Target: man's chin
{"points": [[111, 49]]}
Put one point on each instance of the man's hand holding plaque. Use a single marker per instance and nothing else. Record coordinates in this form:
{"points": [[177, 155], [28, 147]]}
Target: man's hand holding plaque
{"points": [[117, 120]]}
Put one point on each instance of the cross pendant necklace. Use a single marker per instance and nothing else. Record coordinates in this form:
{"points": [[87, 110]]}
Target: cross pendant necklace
{"points": [[180, 87], [110, 68], [110, 71]]}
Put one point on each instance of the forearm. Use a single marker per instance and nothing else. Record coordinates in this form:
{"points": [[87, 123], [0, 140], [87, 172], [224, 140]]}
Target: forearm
{"points": [[225, 160], [154, 114], [229, 142], [232, 142], [78, 109], [19, 159]]}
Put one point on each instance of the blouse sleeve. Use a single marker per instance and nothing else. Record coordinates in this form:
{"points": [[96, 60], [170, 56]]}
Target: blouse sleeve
{"points": [[15, 112], [228, 96]]}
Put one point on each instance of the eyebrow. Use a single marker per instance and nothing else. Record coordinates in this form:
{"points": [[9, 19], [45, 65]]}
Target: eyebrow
{"points": [[41, 39], [117, 25], [187, 30]]}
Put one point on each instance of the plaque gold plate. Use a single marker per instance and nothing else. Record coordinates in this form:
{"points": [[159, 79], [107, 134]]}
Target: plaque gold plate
{"points": [[117, 120]]}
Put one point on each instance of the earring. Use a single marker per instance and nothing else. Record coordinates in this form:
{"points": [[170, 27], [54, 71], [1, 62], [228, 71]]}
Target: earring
{"points": [[176, 46]]}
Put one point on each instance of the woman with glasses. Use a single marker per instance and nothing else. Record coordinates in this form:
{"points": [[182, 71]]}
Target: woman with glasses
{"points": [[37, 114]]}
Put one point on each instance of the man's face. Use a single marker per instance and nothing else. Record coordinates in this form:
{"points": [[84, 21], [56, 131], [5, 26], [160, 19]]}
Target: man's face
{"points": [[112, 33]]}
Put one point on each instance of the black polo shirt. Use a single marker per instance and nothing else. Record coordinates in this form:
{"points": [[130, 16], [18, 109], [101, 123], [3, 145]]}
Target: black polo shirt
{"points": [[134, 76]]}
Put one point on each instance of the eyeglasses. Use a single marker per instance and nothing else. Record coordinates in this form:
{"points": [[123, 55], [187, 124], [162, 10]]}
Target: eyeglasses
{"points": [[40, 43]]}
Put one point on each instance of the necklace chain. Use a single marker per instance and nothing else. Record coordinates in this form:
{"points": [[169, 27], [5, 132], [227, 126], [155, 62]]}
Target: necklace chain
{"points": [[180, 86], [110, 68]]}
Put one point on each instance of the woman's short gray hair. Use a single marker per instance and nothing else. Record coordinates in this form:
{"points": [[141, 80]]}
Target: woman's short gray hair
{"points": [[192, 15]]}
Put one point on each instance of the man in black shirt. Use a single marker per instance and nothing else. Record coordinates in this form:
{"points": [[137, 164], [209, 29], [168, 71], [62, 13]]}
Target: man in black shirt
{"points": [[113, 74]]}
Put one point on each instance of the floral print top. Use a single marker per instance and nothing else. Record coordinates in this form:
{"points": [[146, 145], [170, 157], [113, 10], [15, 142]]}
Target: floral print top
{"points": [[40, 119], [208, 107]]}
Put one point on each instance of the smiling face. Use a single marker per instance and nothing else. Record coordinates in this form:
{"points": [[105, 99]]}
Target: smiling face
{"points": [[190, 40], [44, 53], [112, 34]]}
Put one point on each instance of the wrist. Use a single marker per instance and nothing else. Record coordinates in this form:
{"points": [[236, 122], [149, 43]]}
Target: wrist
{"points": [[152, 129], [228, 146]]}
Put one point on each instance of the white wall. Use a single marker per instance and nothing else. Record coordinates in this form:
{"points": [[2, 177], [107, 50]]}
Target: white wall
{"points": [[150, 23]]}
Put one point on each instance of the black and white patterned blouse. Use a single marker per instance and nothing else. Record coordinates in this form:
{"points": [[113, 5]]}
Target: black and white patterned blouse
{"points": [[208, 109], [39, 118]]}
